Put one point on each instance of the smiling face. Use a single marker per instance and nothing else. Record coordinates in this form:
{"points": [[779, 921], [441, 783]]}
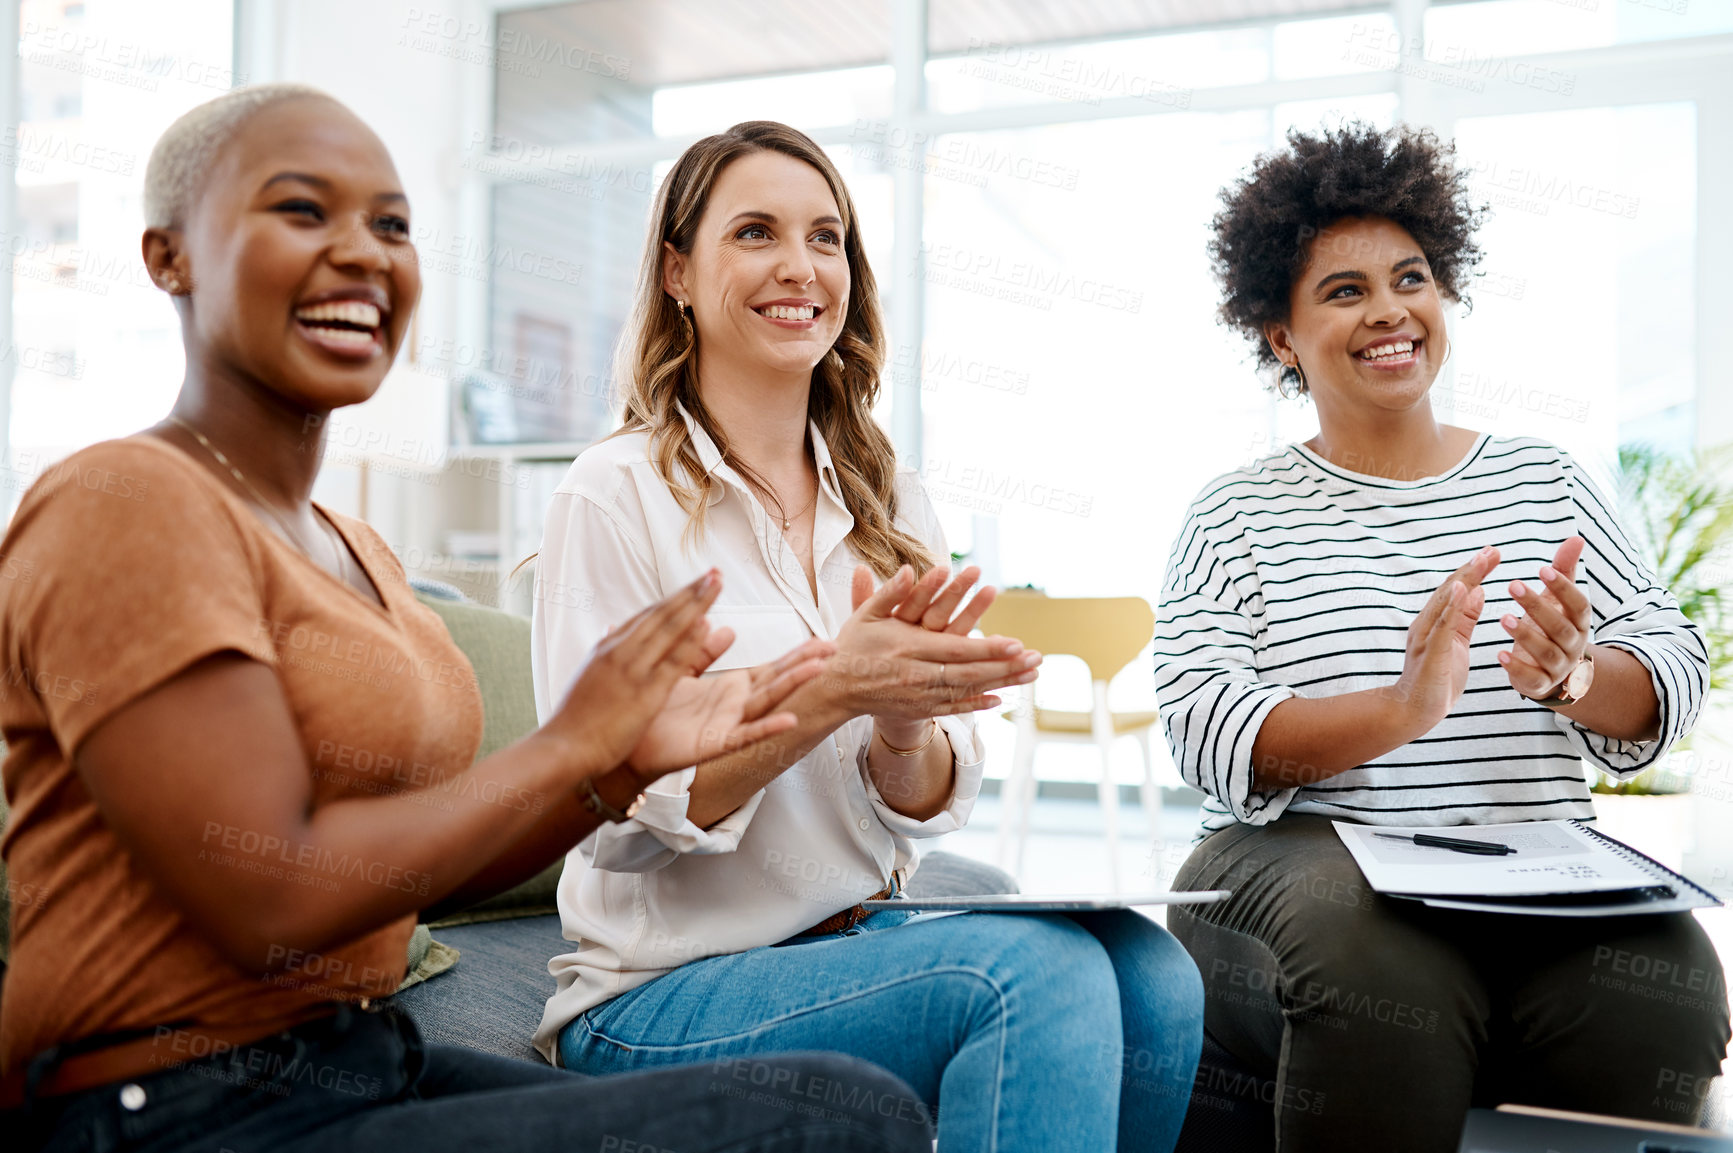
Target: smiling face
{"points": [[767, 280], [298, 256], [1365, 319]]}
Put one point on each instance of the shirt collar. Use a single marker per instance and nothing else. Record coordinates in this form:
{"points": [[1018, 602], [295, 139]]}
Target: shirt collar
{"points": [[821, 458], [711, 457]]}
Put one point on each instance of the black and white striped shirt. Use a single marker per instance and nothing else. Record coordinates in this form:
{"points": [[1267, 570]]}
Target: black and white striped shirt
{"points": [[1293, 577]]}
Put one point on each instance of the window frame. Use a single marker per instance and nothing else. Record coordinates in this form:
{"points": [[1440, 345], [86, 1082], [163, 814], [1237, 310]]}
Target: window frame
{"points": [[1694, 69]]}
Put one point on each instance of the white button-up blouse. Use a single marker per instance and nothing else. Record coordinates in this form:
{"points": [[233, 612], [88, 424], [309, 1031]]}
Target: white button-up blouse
{"points": [[645, 896]]}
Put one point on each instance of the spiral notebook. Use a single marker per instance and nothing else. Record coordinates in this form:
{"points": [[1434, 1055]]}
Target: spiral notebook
{"points": [[1554, 868]]}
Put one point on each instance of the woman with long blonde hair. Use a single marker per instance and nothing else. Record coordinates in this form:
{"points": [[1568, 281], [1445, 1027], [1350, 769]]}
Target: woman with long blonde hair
{"points": [[722, 916]]}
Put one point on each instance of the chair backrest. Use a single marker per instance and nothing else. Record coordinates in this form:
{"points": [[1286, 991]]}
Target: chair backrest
{"points": [[1105, 632]]}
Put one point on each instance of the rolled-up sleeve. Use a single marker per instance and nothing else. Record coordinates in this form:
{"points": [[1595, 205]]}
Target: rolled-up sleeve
{"points": [[970, 760], [919, 518], [1631, 610], [591, 575], [1212, 702], [662, 831]]}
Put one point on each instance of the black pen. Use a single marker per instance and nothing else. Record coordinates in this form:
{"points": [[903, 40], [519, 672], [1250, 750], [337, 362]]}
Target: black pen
{"points": [[1481, 848]]}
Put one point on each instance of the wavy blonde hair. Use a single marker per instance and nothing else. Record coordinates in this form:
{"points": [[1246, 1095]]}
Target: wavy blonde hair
{"points": [[656, 363]]}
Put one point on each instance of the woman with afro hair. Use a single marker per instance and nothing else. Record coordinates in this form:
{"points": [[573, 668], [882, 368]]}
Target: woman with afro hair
{"points": [[1401, 622]]}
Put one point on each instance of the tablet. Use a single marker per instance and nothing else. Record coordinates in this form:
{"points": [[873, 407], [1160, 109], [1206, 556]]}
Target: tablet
{"points": [[1524, 1129], [1021, 903]]}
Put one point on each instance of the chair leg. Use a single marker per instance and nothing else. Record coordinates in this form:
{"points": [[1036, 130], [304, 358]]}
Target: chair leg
{"points": [[1010, 793], [1102, 725], [1151, 793], [1011, 799], [1025, 809]]}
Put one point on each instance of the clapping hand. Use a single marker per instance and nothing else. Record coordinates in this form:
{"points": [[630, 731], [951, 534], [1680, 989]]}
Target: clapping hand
{"points": [[906, 653], [1435, 664], [642, 702], [708, 716], [1552, 638], [932, 603]]}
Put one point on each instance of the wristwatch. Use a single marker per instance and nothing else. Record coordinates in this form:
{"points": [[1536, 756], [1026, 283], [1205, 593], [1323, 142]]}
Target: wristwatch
{"points": [[593, 801], [1575, 686]]}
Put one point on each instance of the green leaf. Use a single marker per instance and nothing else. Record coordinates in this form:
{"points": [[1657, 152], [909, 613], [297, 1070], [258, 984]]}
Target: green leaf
{"points": [[1678, 510]]}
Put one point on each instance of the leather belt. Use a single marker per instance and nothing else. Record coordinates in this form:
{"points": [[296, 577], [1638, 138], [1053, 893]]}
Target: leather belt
{"points": [[847, 919]]}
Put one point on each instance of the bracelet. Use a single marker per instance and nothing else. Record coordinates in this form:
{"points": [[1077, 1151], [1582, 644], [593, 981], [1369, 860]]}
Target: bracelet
{"points": [[933, 732], [594, 803]]}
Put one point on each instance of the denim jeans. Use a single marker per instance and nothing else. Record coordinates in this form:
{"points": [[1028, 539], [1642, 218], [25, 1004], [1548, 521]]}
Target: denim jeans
{"points": [[363, 1082], [1020, 1032]]}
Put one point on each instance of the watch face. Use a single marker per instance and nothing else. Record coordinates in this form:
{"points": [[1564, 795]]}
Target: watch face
{"points": [[1580, 679]]}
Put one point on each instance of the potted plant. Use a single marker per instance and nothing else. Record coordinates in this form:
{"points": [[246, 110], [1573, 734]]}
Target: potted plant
{"points": [[1679, 513]]}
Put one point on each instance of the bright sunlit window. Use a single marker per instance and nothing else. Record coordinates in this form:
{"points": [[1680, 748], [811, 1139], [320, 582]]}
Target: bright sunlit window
{"points": [[97, 348]]}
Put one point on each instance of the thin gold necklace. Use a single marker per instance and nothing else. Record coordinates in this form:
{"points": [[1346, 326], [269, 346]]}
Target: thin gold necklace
{"points": [[771, 493], [259, 498]]}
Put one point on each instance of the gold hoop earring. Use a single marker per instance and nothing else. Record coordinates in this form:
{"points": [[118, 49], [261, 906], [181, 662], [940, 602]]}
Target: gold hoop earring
{"points": [[1446, 359], [1281, 381]]}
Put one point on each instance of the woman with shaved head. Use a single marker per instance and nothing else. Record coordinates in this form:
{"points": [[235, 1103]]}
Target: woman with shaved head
{"points": [[200, 647]]}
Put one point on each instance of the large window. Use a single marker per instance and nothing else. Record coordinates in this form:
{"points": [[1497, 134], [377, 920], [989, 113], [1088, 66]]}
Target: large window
{"points": [[95, 349], [1037, 180]]}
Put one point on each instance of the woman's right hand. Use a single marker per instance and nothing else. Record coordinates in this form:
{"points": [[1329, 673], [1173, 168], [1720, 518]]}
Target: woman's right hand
{"points": [[1435, 668], [892, 667], [709, 716], [632, 673]]}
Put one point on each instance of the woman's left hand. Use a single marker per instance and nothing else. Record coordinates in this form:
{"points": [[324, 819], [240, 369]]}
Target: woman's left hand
{"points": [[932, 604], [1552, 638]]}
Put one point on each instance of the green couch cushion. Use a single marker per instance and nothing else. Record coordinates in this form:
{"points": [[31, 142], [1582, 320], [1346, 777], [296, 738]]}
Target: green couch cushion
{"points": [[498, 647]]}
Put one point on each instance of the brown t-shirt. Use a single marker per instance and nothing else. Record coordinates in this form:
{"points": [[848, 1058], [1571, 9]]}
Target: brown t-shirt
{"points": [[125, 565]]}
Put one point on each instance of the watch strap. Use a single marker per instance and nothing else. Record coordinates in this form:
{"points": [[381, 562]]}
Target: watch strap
{"points": [[1560, 697]]}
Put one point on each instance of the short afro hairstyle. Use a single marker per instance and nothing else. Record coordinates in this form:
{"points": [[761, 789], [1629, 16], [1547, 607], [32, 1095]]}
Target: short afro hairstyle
{"points": [[1263, 232]]}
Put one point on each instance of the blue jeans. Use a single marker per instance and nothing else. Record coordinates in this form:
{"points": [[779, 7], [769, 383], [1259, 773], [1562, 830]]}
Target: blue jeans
{"points": [[1019, 1032], [363, 1082]]}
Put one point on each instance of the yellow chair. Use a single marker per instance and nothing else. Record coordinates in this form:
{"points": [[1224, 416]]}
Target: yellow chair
{"points": [[1107, 633]]}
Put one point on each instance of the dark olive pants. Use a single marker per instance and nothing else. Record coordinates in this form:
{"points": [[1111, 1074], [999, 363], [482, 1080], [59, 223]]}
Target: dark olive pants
{"points": [[1383, 1020]]}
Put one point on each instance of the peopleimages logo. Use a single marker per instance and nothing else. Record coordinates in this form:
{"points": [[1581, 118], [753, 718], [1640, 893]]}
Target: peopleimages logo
{"points": [[428, 28], [58, 147]]}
